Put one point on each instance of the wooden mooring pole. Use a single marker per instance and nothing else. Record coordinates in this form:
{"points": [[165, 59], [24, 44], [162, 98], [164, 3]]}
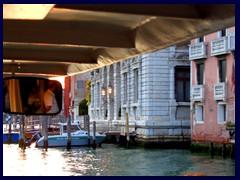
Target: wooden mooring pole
{"points": [[69, 133], [45, 130], [9, 136], [88, 129], [127, 130], [69, 130], [94, 135], [21, 142], [224, 151], [211, 149], [232, 152]]}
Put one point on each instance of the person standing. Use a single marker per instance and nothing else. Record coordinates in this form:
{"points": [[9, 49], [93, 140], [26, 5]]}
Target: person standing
{"points": [[50, 101], [34, 100], [51, 105]]}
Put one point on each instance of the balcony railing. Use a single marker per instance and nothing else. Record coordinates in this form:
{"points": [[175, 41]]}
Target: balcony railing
{"points": [[219, 46], [220, 91], [197, 93], [197, 51]]}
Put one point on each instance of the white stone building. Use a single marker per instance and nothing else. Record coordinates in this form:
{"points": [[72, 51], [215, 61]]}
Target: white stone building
{"points": [[154, 89]]}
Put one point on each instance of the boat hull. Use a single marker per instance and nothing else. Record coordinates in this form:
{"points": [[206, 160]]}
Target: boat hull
{"points": [[11, 138], [61, 141]]}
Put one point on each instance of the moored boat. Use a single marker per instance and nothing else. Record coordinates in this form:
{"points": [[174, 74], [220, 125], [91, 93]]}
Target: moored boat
{"points": [[79, 137], [12, 137]]}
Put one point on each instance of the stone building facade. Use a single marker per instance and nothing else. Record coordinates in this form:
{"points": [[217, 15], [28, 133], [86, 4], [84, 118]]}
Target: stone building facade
{"points": [[153, 89]]}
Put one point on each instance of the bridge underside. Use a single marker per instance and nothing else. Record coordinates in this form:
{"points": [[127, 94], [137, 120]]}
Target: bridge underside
{"points": [[68, 39]]}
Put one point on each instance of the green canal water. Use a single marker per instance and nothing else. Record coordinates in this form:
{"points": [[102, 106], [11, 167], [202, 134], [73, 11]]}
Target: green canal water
{"points": [[111, 160]]}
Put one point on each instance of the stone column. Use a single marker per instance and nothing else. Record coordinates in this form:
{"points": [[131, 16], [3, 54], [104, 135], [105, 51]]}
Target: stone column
{"points": [[172, 100], [110, 97], [103, 85], [139, 111], [117, 90]]}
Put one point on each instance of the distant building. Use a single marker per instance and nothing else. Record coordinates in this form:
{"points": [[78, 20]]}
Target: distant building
{"points": [[212, 86], [154, 89], [79, 91]]}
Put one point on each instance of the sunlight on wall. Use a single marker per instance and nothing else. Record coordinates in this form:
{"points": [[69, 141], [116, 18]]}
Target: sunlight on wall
{"points": [[60, 79]]}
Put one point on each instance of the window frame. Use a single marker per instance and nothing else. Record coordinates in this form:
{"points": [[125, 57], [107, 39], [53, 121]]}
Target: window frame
{"points": [[221, 77], [198, 73], [200, 39], [199, 107], [136, 85], [80, 82], [186, 95], [222, 33], [222, 106]]}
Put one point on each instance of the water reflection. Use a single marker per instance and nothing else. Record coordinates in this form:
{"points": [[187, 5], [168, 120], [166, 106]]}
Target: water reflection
{"points": [[110, 160]]}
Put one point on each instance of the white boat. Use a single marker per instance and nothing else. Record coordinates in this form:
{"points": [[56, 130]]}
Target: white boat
{"points": [[78, 138]]}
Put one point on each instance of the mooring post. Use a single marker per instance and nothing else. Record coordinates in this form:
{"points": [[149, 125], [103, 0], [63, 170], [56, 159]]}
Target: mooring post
{"points": [[211, 149], [45, 129], [20, 132], [127, 130], [94, 135], [9, 137], [22, 137], [88, 130], [69, 131], [224, 150], [15, 123], [232, 152]]}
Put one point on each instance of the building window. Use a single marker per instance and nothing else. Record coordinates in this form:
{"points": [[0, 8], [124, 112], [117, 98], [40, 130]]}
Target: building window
{"points": [[222, 113], [199, 113], [200, 39], [182, 84], [222, 33], [222, 69], [200, 73], [136, 85], [79, 84], [125, 88]]}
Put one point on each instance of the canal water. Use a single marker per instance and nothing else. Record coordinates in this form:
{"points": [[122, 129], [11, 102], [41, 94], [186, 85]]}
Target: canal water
{"points": [[111, 160]]}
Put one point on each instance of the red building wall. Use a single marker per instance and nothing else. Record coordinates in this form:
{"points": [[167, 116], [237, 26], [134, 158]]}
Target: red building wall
{"points": [[211, 129], [67, 90]]}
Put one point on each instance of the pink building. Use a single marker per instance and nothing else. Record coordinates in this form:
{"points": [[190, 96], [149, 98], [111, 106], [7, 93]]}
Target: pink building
{"points": [[212, 86]]}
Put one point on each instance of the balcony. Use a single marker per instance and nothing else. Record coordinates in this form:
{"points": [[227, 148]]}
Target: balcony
{"points": [[197, 93], [219, 46], [197, 51], [220, 91]]}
